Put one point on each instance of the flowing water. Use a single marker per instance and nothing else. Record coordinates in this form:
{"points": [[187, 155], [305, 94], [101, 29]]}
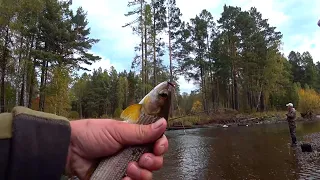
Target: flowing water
{"points": [[254, 152]]}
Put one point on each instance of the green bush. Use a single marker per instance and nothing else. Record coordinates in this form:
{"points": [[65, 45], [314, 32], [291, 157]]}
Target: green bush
{"points": [[105, 116], [117, 113], [186, 121], [73, 115]]}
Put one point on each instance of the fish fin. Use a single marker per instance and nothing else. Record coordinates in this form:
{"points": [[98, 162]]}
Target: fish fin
{"points": [[131, 113]]}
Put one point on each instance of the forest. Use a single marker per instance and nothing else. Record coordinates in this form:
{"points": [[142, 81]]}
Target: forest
{"points": [[236, 61]]}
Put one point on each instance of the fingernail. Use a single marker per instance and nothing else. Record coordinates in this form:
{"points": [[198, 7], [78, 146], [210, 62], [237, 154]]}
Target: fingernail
{"points": [[161, 149], [157, 124], [147, 161], [135, 170]]}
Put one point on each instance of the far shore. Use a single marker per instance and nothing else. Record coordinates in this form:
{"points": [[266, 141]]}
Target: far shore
{"points": [[271, 118]]}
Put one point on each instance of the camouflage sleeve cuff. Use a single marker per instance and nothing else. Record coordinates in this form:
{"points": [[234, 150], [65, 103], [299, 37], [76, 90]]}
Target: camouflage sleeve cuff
{"points": [[38, 144], [5, 135]]}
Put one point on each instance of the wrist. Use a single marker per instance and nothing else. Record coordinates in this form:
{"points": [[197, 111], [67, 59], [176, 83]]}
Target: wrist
{"points": [[67, 169]]}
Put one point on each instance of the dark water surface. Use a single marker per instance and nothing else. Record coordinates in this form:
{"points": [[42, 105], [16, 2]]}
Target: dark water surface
{"points": [[256, 152]]}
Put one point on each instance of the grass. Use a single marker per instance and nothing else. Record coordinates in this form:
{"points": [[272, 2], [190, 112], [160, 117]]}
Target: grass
{"points": [[273, 114], [268, 114], [187, 121]]}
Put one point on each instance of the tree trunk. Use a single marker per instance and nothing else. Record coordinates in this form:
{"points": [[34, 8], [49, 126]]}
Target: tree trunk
{"points": [[28, 68], [5, 54], [20, 71], [235, 82], [232, 89], [142, 49], [218, 93], [80, 108], [259, 99], [170, 57], [203, 85], [31, 86], [44, 73], [145, 61], [230, 105], [249, 98], [213, 88], [154, 51], [205, 92], [42, 78], [262, 102], [32, 75], [235, 86], [170, 67], [23, 94], [22, 90]]}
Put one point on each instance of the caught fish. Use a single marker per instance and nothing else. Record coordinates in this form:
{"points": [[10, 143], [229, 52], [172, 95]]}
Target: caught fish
{"points": [[155, 105]]}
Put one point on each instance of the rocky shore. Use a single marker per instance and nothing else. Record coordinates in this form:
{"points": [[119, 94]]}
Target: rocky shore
{"points": [[310, 157], [309, 162], [231, 119], [232, 122]]}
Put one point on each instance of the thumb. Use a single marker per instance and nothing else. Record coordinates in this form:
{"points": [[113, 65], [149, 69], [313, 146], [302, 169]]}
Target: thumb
{"points": [[131, 134]]}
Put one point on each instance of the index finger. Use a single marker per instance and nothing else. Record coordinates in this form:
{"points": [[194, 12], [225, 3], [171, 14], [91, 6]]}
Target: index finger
{"points": [[161, 146]]}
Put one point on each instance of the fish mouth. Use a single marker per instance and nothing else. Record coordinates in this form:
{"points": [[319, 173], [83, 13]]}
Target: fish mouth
{"points": [[166, 91], [164, 94]]}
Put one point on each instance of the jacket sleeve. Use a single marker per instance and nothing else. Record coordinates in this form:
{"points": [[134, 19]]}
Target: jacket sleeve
{"points": [[292, 114], [33, 145]]}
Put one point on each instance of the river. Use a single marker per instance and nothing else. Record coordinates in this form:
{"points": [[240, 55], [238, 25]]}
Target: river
{"points": [[254, 152]]}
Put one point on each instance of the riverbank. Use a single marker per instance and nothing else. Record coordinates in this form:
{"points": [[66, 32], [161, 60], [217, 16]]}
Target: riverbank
{"points": [[314, 140], [229, 118], [309, 161]]}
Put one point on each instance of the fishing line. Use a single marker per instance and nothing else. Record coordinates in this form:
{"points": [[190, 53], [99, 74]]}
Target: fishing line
{"points": [[191, 151], [179, 110]]}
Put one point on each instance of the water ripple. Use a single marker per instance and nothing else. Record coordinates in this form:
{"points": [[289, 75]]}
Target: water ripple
{"points": [[259, 152]]}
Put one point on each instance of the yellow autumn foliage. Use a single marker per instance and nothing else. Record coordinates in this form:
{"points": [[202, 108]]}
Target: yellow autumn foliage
{"points": [[197, 107], [309, 101]]}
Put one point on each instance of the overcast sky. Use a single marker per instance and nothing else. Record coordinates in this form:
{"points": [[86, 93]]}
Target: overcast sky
{"points": [[296, 19]]}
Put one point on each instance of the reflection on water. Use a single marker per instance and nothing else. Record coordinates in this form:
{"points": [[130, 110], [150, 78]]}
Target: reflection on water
{"points": [[190, 154], [257, 152]]}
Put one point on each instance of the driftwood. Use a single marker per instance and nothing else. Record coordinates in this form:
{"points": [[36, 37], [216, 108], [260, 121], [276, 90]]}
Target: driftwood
{"points": [[307, 115]]}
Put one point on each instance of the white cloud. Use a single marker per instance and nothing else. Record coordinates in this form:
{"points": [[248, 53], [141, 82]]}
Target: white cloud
{"points": [[107, 17], [104, 63], [269, 9], [304, 43], [190, 9], [186, 86], [315, 10]]}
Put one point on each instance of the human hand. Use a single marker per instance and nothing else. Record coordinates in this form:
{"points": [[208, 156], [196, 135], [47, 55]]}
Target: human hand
{"points": [[95, 138]]}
